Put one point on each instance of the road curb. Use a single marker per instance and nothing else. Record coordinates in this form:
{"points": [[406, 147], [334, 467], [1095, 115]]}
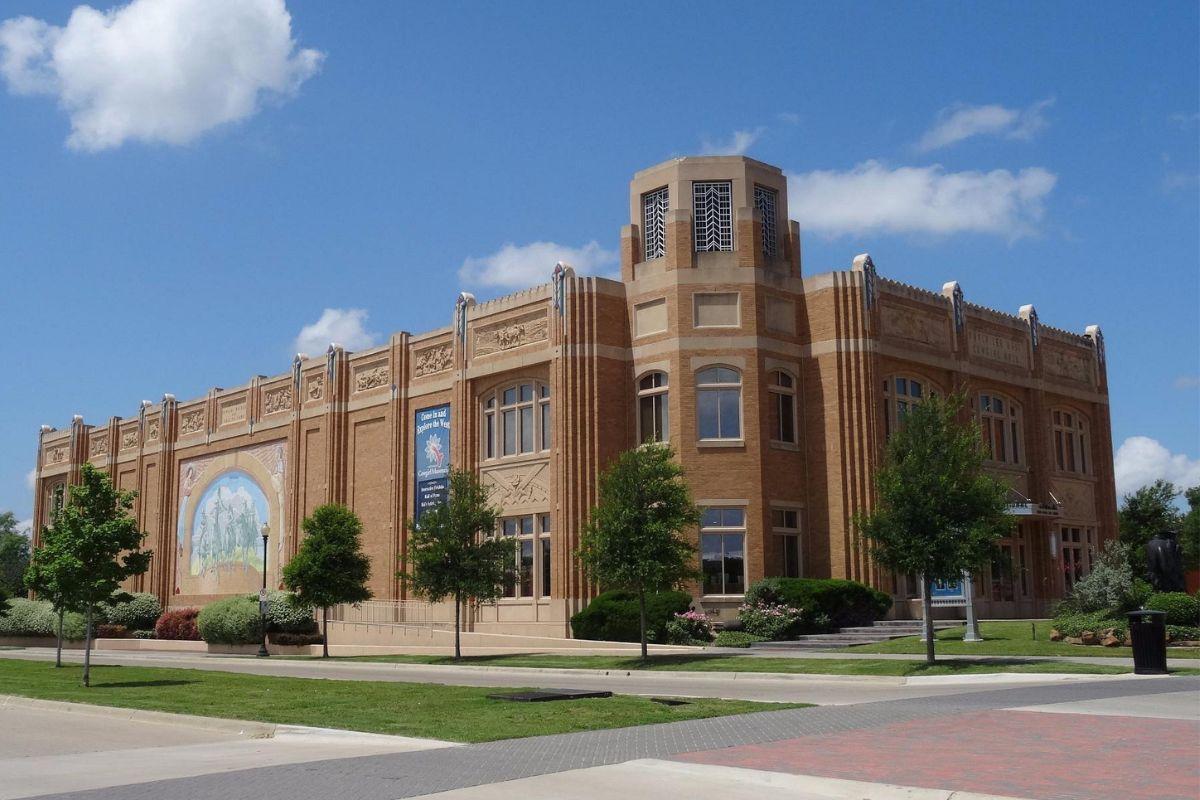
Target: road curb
{"points": [[247, 728]]}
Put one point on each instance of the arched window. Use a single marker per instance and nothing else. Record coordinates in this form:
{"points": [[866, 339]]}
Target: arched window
{"points": [[1000, 421], [899, 395], [1070, 440], [652, 408], [782, 413], [516, 420], [719, 403]]}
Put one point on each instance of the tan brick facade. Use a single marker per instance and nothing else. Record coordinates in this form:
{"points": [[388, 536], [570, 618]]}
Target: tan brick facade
{"points": [[842, 350]]}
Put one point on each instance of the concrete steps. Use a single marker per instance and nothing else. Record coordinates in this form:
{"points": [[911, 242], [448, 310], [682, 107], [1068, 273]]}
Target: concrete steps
{"points": [[881, 631]]}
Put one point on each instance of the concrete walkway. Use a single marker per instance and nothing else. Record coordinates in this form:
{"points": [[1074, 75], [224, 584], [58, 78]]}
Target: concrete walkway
{"points": [[1112, 661]]}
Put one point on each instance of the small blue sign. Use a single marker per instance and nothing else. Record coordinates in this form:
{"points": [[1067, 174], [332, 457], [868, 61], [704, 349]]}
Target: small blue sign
{"points": [[947, 590]]}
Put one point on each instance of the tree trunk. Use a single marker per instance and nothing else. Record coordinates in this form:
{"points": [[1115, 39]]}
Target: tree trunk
{"points": [[87, 647], [62, 612], [927, 608], [642, 621], [324, 632], [457, 626]]}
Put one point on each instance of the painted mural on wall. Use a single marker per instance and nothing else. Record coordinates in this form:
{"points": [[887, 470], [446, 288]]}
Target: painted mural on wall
{"points": [[224, 500]]}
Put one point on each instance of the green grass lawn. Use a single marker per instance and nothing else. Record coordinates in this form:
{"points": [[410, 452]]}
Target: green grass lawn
{"points": [[454, 713], [705, 662], [1008, 639]]}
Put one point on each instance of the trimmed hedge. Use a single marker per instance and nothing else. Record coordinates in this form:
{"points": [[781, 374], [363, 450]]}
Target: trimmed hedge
{"points": [[296, 639], [106, 630], [613, 616], [38, 618], [827, 603], [144, 635], [232, 620], [139, 612], [735, 639], [178, 624], [1182, 609]]}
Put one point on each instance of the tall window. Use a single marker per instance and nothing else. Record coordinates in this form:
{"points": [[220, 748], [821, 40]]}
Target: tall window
{"points": [[1009, 571], [764, 202], [723, 550], [522, 577], [1000, 421], [654, 223], [782, 413], [1076, 551], [652, 408], [516, 420], [1070, 441], [899, 395], [785, 524], [719, 403], [544, 554], [712, 215]]}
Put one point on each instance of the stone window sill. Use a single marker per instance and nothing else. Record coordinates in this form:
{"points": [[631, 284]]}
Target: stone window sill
{"points": [[721, 443]]}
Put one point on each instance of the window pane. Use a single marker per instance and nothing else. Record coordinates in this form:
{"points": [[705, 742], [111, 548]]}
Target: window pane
{"points": [[901, 386], [711, 518], [509, 527], [527, 524], [732, 518], [544, 391], [777, 518], [526, 392], [710, 549], [510, 396], [547, 437], [730, 423], [510, 432], [791, 556], [646, 419], [527, 429], [706, 411], [1016, 453], [489, 436], [545, 523], [735, 567], [527, 568], [787, 421], [660, 408], [545, 556]]}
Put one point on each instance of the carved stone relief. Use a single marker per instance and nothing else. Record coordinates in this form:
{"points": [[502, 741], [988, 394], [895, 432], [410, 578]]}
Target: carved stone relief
{"points": [[1078, 499], [314, 387], [98, 444], [276, 400], [191, 421], [56, 455], [1064, 364], [152, 429], [129, 438], [372, 377], [915, 326], [515, 333], [432, 360], [232, 413], [1014, 352], [519, 486]]}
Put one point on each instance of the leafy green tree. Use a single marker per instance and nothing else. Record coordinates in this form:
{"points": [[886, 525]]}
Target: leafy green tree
{"points": [[454, 550], [1144, 513], [54, 574], [635, 538], [96, 529], [14, 554], [1189, 530], [330, 567], [938, 512]]}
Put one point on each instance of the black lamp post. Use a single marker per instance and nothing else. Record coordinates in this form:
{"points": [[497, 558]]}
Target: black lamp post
{"points": [[262, 596]]}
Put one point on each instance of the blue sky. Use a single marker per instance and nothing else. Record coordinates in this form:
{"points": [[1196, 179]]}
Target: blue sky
{"points": [[169, 223]]}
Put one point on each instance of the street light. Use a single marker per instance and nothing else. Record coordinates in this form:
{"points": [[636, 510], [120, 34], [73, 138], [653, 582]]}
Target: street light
{"points": [[262, 596]]}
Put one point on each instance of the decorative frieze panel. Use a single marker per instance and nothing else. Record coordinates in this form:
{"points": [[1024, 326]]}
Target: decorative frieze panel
{"points": [[314, 387], [514, 333], [1001, 349], [277, 400], [153, 428], [1068, 365], [98, 445], [915, 326], [232, 413], [432, 360], [57, 454], [129, 439], [519, 487], [1078, 499], [372, 376], [191, 421]]}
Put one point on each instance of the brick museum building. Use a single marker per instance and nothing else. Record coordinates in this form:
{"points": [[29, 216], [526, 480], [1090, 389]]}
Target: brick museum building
{"points": [[777, 386]]}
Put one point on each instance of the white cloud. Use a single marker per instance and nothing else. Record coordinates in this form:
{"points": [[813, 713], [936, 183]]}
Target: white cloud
{"points": [[874, 197], [345, 326], [735, 145], [25, 527], [31, 479], [517, 266], [1187, 382], [1141, 460], [156, 70], [962, 122]]}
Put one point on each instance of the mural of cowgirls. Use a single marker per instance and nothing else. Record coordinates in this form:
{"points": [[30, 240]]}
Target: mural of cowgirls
{"points": [[224, 500]]}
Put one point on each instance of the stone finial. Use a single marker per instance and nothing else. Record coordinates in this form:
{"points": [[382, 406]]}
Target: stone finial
{"points": [[864, 264], [953, 290], [462, 305], [1030, 315], [168, 398], [1094, 333], [46, 429], [77, 419], [562, 271]]}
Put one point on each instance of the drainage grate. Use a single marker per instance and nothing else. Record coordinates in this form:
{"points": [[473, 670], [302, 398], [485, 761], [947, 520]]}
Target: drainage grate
{"points": [[545, 695], [670, 701]]}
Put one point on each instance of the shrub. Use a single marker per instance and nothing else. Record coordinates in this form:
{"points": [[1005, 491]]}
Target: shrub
{"points": [[690, 627], [613, 616], [770, 620], [1072, 623], [735, 639], [38, 618], [139, 612], [144, 635], [1108, 587], [1181, 607], [297, 639], [106, 630], [284, 616], [232, 620], [1183, 633], [827, 602], [178, 624]]}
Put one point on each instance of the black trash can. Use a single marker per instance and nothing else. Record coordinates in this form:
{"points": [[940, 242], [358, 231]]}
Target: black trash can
{"points": [[1148, 629]]}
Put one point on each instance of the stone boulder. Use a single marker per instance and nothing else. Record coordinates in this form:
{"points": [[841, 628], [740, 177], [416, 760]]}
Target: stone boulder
{"points": [[1056, 635], [1089, 638]]}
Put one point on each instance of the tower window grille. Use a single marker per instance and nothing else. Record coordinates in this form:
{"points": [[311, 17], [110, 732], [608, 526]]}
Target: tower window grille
{"points": [[654, 222], [712, 211], [764, 202]]}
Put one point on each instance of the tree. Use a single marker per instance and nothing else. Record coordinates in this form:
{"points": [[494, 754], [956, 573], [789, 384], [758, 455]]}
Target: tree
{"points": [[454, 550], [14, 554], [938, 513], [634, 539], [330, 567], [1189, 532], [1144, 513], [54, 574], [95, 527]]}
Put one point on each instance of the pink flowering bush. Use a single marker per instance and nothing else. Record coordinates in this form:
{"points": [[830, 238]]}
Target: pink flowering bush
{"points": [[690, 627], [771, 620]]}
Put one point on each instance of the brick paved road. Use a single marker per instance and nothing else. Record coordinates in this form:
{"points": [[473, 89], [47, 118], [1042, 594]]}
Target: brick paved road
{"points": [[410, 774]]}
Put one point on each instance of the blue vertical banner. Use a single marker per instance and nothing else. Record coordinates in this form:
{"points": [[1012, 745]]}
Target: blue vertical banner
{"points": [[432, 457]]}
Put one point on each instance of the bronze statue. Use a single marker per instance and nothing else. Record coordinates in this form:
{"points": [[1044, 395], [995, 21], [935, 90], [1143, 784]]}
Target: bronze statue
{"points": [[1164, 562]]}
